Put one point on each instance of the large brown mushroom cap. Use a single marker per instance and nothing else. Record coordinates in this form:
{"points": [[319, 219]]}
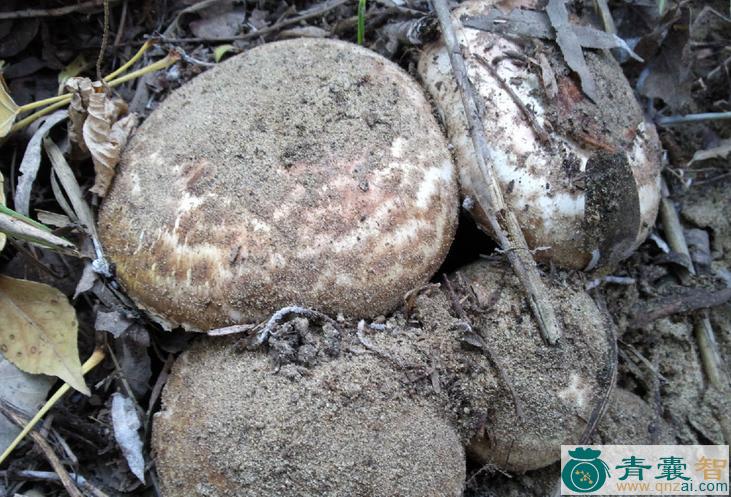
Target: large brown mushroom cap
{"points": [[231, 427], [306, 172]]}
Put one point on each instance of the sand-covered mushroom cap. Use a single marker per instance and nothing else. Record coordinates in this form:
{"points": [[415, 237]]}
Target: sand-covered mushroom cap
{"points": [[586, 190], [230, 426], [306, 172], [632, 421], [556, 386]]}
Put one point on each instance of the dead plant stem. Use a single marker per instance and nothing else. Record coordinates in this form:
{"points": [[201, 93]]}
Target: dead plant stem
{"points": [[502, 220]]}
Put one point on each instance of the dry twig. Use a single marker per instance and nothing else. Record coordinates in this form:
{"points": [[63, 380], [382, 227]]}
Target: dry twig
{"points": [[537, 128], [601, 407], [57, 12], [486, 349], [501, 219], [687, 300], [51, 476], [46, 448], [315, 12]]}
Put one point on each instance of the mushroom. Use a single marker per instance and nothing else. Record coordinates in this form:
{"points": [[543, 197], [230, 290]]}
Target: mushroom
{"points": [[582, 177], [229, 426], [632, 421], [303, 172], [546, 393]]}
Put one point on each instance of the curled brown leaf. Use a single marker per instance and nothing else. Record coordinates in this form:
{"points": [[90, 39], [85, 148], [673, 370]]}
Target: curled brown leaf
{"points": [[105, 134]]}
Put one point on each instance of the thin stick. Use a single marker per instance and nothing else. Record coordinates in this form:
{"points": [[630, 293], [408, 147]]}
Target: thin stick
{"points": [[28, 120], [323, 9], [105, 42], [64, 100], [66, 96], [606, 16], [41, 103], [507, 230], [693, 118], [704, 333], [486, 349], [709, 352], [683, 301], [537, 128], [145, 46], [47, 450], [164, 63], [59, 11], [674, 231], [90, 364], [50, 476], [120, 27], [603, 404]]}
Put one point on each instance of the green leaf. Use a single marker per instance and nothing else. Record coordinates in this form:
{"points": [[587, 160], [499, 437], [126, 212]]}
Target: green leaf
{"points": [[361, 21], [222, 50]]}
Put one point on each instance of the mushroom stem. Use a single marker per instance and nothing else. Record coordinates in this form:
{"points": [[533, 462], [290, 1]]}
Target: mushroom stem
{"points": [[500, 217]]}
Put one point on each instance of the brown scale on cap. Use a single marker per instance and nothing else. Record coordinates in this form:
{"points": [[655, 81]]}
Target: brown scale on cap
{"points": [[307, 172]]}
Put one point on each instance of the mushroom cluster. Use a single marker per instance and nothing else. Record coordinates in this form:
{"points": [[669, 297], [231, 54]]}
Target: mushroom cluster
{"points": [[312, 173]]}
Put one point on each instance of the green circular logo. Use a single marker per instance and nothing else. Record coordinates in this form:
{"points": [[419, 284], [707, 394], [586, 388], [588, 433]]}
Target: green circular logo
{"points": [[584, 472]]}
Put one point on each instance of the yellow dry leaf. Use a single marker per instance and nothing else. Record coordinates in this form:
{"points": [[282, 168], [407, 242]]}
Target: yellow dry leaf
{"points": [[39, 330], [8, 109], [2, 202]]}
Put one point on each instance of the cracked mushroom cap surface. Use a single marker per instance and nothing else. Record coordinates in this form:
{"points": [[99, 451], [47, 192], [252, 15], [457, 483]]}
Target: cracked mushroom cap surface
{"points": [[308, 172], [585, 190]]}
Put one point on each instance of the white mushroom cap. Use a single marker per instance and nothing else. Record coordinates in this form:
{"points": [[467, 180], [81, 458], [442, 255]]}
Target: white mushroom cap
{"points": [[306, 171], [545, 183]]}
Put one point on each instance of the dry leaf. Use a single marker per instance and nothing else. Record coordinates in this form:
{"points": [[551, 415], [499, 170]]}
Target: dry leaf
{"points": [[8, 110], [668, 75], [81, 210], [132, 349], [720, 151], [24, 391], [126, 423], [53, 219], [80, 89], [114, 322], [2, 202], [569, 44], [21, 230], [32, 162], [105, 136], [39, 329], [86, 282]]}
